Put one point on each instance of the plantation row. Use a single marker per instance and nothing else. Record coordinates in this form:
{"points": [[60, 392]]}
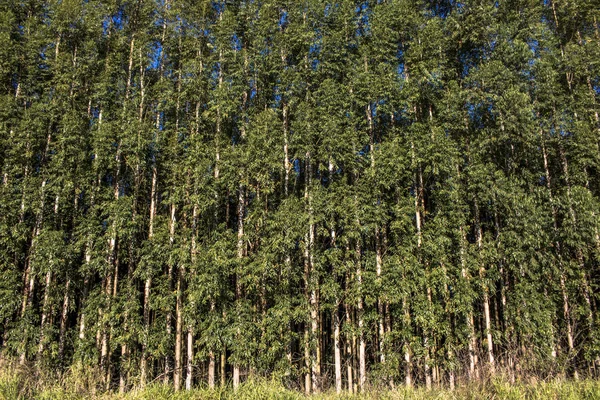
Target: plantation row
{"points": [[335, 194]]}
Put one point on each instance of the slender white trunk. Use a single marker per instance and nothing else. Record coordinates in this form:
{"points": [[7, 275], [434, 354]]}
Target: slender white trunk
{"points": [[472, 342], [46, 303], [286, 160], [189, 379], [486, 296], [335, 316], [380, 301], [563, 288], [178, 336], [240, 255], [29, 276], [45, 313], [407, 355], [337, 350], [147, 286], [63, 320], [307, 375], [362, 366]]}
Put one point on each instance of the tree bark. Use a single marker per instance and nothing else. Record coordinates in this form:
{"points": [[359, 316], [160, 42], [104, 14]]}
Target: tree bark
{"points": [[189, 379], [486, 296], [349, 352], [240, 255], [147, 286], [63, 320], [563, 288], [362, 346], [177, 367], [45, 310]]}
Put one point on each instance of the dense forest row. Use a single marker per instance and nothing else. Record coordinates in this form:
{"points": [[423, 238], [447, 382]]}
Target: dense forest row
{"points": [[335, 194]]}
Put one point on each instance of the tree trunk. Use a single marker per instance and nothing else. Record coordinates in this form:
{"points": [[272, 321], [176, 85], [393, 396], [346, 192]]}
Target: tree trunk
{"points": [[380, 301], [45, 310], [211, 369], [286, 160], [362, 346], [349, 353], [223, 366], [46, 304], [177, 368], [407, 356], [337, 350], [486, 296], [29, 275], [307, 363], [311, 283], [189, 379], [472, 342], [147, 286], [240, 255], [335, 317], [63, 320], [563, 288]]}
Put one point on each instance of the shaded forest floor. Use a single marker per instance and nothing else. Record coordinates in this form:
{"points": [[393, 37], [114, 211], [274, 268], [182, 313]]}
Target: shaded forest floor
{"points": [[21, 383]]}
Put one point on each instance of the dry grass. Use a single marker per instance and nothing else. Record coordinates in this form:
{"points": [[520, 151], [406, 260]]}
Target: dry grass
{"points": [[17, 382]]}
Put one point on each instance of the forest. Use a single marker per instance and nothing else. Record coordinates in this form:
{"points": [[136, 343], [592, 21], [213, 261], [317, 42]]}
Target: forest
{"points": [[334, 194]]}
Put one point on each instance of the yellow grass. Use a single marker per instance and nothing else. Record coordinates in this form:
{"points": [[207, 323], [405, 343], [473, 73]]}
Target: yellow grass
{"points": [[78, 383]]}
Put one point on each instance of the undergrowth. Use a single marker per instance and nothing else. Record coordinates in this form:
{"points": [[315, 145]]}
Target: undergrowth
{"points": [[17, 382]]}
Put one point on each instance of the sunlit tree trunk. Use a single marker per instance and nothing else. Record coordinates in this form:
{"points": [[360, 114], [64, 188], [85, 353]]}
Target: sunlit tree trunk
{"points": [[563, 288], [240, 254], [486, 296], [147, 285]]}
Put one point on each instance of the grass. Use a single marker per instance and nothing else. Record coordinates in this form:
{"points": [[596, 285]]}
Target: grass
{"points": [[18, 383]]}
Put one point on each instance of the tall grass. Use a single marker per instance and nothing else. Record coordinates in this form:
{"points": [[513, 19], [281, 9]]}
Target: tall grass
{"points": [[18, 382]]}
